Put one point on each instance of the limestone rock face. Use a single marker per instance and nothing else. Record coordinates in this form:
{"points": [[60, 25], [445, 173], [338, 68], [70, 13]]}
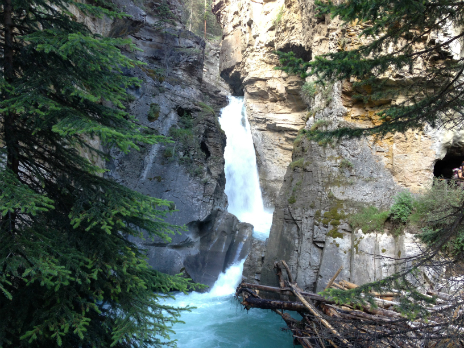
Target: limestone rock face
{"points": [[323, 184], [181, 93], [275, 108]]}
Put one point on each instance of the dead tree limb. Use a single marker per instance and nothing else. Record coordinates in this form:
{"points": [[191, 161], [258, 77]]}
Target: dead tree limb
{"points": [[315, 312], [329, 284]]}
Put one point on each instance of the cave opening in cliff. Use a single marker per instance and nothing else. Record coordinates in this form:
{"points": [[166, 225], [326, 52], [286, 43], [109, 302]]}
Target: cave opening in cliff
{"points": [[444, 168], [299, 51], [204, 149]]}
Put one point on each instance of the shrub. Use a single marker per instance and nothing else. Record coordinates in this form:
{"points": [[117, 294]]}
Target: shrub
{"points": [[344, 163], [279, 16], [403, 207], [207, 109], [434, 211], [154, 112], [168, 152], [308, 90], [320, 123], [297, 164], [369, 219], [299, 137]]}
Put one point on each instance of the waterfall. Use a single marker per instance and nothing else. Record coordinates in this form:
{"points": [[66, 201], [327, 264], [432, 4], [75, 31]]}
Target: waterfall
{"points": [[242, 180], [219, 321]]}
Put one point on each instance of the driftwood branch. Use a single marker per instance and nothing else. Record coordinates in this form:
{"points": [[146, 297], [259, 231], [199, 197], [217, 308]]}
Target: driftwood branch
{"points": [[289, 274], [253, 302], [315, 312], [329, 284], [326, 323], [284, 290]]}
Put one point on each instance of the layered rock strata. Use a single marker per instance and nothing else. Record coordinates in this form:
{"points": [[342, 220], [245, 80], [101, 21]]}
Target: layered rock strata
{"points": [[275, 108], [323, 184]]}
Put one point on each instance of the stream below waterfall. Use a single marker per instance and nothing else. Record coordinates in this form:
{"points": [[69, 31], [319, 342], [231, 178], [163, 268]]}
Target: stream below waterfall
{"points": [[219, 321]]}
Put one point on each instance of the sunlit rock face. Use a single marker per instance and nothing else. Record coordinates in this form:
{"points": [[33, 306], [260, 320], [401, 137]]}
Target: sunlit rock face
{"points": [[323, 184]]}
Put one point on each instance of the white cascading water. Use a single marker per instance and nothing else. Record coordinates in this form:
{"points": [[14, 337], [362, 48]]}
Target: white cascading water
{"points": [[242, 180], [219, 321]]}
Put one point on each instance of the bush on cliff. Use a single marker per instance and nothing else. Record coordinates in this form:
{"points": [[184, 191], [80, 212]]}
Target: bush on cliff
{"points": [[68, 275]]}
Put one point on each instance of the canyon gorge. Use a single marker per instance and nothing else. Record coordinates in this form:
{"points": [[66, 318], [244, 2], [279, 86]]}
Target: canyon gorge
{"points": [[232, 173], [311, 187], [185, 84]]}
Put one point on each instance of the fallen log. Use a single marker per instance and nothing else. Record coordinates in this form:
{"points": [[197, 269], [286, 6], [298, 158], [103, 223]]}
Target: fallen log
{"points": [[339, 325], [254, 302], [440, 295], [329, 284], [273, 289], [316, 313]]}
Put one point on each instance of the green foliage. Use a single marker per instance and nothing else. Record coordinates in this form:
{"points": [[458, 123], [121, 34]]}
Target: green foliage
{"points": [[154, 112], [194, 16], [299, 137], [279, 15], [69, 276], [309, 89], [186, 135], [295, 192], [369, 219], [291, 64], [299, 163], [432, 98], [411, 303], [319, 124], [345, 164], [402, 207], [207, 109], [164, 16], [435, 210], [404, 26]]}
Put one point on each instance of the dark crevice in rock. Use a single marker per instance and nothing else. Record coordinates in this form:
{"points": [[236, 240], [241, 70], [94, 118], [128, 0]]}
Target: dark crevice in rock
{"points": [[183, 112], [453, 159], [204, 149], [234, 81], [298, 50]]}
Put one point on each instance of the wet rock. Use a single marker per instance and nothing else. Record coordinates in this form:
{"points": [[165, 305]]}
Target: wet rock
{"points": [[254, 262], [222, 241]]}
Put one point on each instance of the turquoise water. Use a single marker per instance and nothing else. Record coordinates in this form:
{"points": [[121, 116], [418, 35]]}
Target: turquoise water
{"points": [[220, 321]]}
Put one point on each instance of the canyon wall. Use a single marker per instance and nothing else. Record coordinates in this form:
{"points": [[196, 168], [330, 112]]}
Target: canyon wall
{"points": [[180, 96], [315, 187]]}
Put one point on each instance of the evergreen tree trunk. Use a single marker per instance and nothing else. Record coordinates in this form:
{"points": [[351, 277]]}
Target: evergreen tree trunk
{"points": [[191, 15], [205, 19], [8, 127]]}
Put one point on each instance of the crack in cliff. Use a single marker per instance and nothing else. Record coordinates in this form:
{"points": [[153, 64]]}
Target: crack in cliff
{"points": [[300, 242]]}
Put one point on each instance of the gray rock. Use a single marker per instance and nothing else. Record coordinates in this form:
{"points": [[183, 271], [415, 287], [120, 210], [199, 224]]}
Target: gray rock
{"points": [[254, 263], [181, 73], [223, 240]]}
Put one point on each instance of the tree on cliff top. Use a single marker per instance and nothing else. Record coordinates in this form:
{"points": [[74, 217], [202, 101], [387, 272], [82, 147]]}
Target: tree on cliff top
{"points": [[68, 275]]}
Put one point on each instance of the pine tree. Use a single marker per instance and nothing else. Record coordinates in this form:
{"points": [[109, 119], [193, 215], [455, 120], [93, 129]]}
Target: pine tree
{"points": [[68, 275], [200, 17], [399, 34]]}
